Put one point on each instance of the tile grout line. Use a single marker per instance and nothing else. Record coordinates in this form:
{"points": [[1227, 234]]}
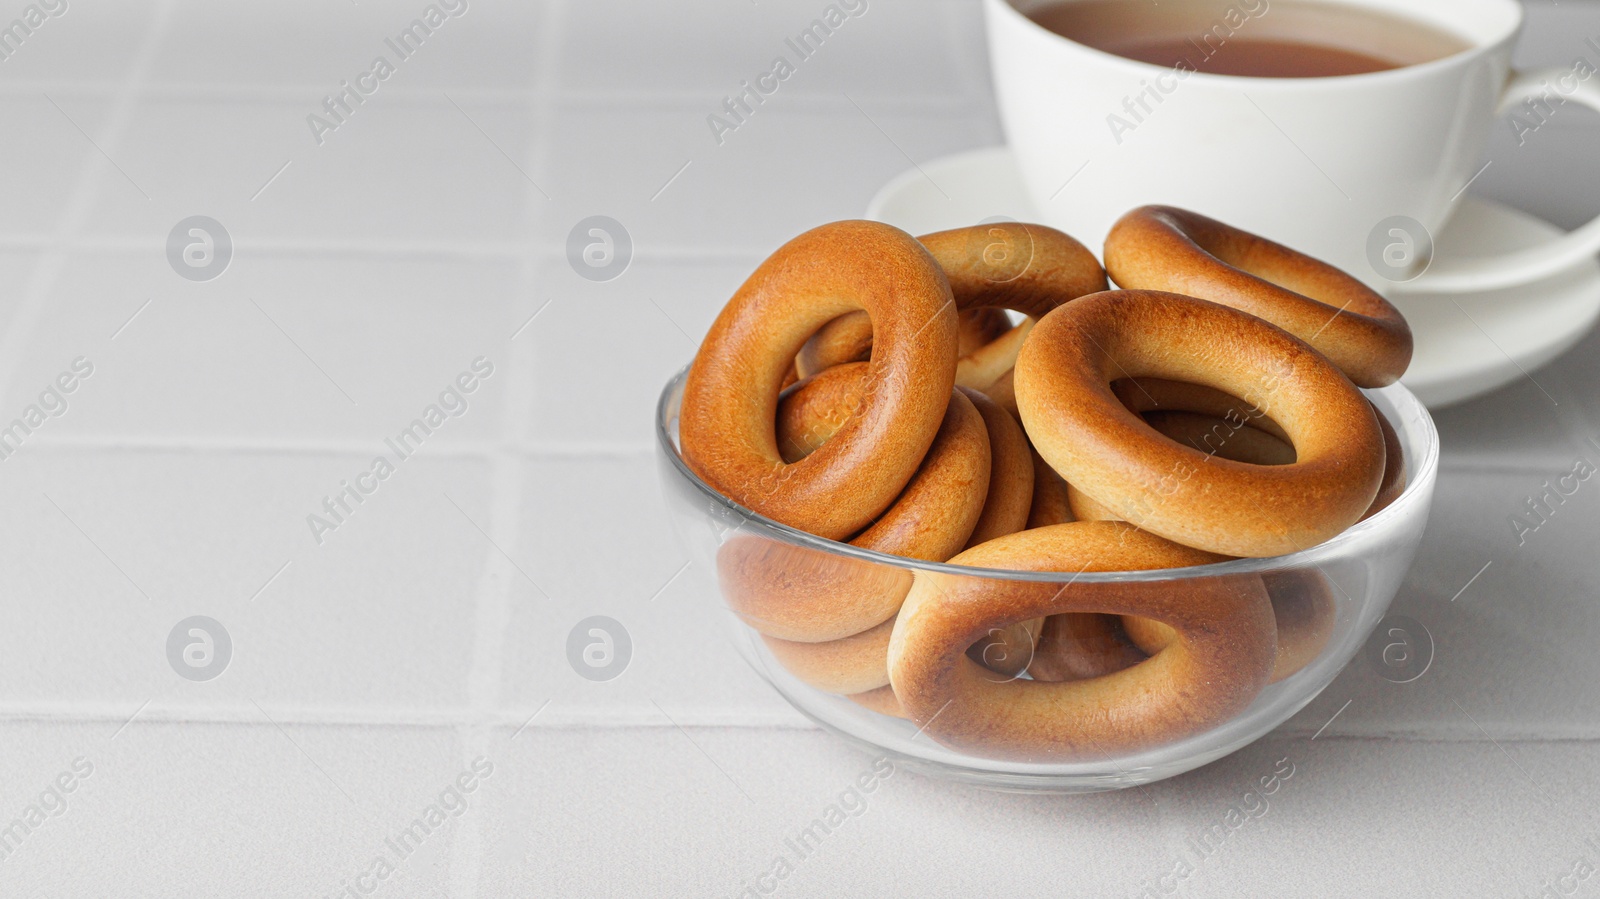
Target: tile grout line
{"points": [[506, 476], [533, 447], [690, 99], [769, 720], [199, 444], [491, 616], [454, 717], [390, 250], [47, 269]]}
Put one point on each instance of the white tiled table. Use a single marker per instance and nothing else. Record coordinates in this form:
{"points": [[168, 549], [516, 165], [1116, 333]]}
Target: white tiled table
{"points": [[370, 671]]}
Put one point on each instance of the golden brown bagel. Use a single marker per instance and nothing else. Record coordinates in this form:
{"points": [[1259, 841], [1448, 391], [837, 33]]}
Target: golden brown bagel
{"points": [[1164, 248], [1052, 502], [854, 664], [946, 499], [978, 328], [1005, 508], [1160, 394], [1394, 468], [806, 595], [730, 397], [848, 338], [1080, 427], [930, 520], [1029, 269], [1221, 660], [1023, 267], [1302, 601], [841, 666], [1305, 609], [937, 512], [1079, 646], [811, 412], [1302, 609], [982, 367], [860, 663], [881, 700], [1206, 434], [1004, 392], [1232, 429]]}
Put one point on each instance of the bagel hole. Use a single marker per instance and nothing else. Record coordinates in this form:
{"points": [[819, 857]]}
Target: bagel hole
{"points": [[1207, 420], [1008, 651], [1082, 646]]}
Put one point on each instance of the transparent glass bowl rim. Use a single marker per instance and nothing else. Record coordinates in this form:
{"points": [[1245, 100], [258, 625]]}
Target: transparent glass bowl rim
{"points": [[1416, 492]]}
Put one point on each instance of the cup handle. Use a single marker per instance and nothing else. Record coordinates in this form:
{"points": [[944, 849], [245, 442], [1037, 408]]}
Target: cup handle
{"points": [[1479, 273]]}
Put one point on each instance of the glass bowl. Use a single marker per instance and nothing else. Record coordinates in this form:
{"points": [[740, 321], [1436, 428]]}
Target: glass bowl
{"points": [[1336, 591]]}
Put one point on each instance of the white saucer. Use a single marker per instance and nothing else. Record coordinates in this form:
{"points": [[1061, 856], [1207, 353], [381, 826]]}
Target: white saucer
{"points": [[1456, 356]]}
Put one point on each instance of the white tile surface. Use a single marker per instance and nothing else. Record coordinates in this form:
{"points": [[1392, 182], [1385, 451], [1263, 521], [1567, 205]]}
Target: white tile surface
{"points": [[252, 807], [311, 46], [400, 169], [788, 168], [682, 662], [908, 49], [46, 157], [94, 43], [602, 351], [707, 811], [106, 552], [278, 349]]}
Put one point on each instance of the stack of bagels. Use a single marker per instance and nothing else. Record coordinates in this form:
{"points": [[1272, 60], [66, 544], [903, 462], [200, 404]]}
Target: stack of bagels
{"points": [[870, 388]]}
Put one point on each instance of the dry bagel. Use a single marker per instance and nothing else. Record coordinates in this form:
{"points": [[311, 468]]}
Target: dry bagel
{"points": [[848, 338], [1029, 269], [1163, 248], [881, 700], [1220, 662], [1303, 608], [1004, 392], [1204, 433], [1394, 469], [1213, 422], [1052, 497], [942, 503], [982, 367], [1011, 472], [852, 664], [806, 595], [1079, 646], [730, 397], [954, 491], [1007, 651], [935, 515], [809, 596], [1080, 427], [866, 387]]}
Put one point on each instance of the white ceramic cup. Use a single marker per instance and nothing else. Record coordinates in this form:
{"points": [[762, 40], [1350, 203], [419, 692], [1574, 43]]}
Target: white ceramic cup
{"points": [[1357, 170]]}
